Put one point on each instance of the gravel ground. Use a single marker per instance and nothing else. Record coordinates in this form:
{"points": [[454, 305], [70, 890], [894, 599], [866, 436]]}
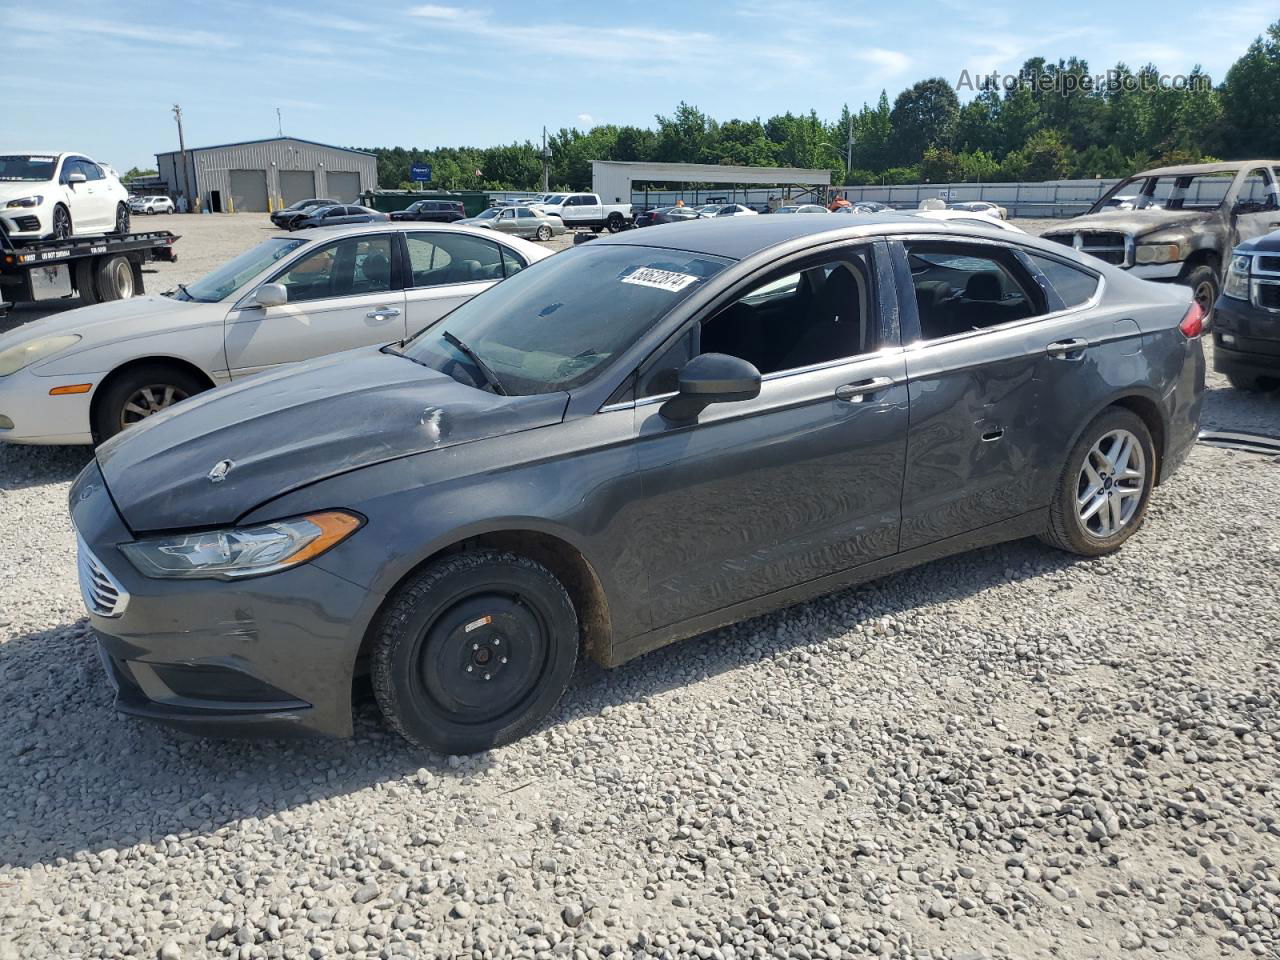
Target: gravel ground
{"points": [[1012, 753]]}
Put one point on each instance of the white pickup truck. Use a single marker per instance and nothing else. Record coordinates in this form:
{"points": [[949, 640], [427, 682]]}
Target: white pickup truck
{"points": [[585, 210]]}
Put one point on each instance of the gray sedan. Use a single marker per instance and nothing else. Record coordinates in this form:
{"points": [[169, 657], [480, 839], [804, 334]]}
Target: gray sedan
{"points": [[623, 445], [519, 222]]}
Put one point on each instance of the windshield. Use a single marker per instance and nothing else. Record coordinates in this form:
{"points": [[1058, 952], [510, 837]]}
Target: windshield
{"points": [[555, 199], [27, 167], [234, 274], [1199, 191], [556, 324]]}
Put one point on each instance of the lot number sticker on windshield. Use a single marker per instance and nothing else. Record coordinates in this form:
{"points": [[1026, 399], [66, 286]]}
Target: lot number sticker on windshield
{"points": [[662, 279]]}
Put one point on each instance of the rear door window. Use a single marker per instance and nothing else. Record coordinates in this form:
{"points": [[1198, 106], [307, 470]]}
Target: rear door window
{"points": [[436, 259], [960, 288]]}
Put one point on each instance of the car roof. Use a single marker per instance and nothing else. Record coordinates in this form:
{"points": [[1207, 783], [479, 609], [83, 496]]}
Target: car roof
{"points": [[1229, 166], [398, 226], [739, 237]]}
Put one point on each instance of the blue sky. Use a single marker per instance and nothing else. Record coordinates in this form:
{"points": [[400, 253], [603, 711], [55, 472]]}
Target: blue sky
{"points": [[101, 77]]}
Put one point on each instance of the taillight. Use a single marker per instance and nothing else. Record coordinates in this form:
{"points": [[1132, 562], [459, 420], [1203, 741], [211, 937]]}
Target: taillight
{"points": [[1192, 324]]}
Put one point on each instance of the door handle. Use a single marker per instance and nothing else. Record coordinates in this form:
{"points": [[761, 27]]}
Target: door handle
{"points": [[1072, 349], [863, 389], [383, 313]]}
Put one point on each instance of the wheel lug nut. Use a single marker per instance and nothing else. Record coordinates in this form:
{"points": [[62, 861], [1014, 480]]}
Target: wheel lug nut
{"points": [[475, 646], [469, 668], [487, 677], [497, 643], [504, 659]]}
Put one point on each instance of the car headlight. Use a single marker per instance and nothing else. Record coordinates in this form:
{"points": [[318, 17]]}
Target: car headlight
{"points": [[1158, 253], [25, 354], [1237, 285], [26, 202], [241, 551]]}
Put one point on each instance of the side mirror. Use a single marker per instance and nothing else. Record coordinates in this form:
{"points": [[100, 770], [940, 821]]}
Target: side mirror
{"points": [[76, 178], [271, 295], [707, 379]]}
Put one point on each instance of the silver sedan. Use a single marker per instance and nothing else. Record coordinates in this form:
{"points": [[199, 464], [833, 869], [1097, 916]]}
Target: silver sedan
{"points": [[519, 222]]}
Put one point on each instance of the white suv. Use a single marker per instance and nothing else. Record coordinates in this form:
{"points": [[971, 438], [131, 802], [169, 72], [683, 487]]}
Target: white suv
{"points": [[151, 205], [60, 195]]}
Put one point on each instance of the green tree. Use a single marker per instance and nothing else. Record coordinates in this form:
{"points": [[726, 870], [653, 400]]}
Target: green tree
{"points": [[1251, 98], [924, 115]]}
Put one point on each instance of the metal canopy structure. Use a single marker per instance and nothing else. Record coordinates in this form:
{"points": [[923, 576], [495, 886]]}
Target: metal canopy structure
{"points": [[612, 179]]}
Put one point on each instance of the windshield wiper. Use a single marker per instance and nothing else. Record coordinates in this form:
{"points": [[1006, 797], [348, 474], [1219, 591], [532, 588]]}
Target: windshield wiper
{"points": [[488, 374]]}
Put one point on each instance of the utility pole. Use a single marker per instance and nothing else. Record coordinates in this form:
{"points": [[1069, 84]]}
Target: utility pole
{"points": [[848, 156], [182, 150], [279, 123], [546, 159]]}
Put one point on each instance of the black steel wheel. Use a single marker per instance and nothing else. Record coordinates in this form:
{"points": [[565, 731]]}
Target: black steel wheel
{"points": [[474, 652], [615, 222], [61, 223]]}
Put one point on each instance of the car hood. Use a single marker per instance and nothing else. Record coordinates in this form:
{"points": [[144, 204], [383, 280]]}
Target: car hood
{"points": [[16, 189], [473, 222], [1134, 222], [286, 430], [112, 321], [1269, 243]]}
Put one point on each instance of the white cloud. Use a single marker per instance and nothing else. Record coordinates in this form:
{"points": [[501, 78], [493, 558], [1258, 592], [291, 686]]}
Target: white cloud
{"points": [[160, 36], [434, 11], [889, 61], [586, 120]]}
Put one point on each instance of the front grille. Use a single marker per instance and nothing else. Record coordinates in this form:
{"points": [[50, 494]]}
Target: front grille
{"points": [[1268, 264], [1266, 294], [26, 224], [1109, 247], [102, 593]]}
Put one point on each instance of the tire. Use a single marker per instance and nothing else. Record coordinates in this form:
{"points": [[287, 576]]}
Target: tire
{"points": [[544, 233], [1203, 281], [86, 283], [1101, 534], [596, 229], [110, 409], [615, 223], [62, 227], [122, 220], [1251, 383], [433, 682], [113, 279]]}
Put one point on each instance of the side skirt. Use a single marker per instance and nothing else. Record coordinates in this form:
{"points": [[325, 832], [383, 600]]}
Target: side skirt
{"points": [[1015, 528]]}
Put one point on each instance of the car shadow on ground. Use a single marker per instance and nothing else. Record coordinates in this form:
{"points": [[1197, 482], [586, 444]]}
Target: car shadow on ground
{"points": [[24, 466], [106, 781]]}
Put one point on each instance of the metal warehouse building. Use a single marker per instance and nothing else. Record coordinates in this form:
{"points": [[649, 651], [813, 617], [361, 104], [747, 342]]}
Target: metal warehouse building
{"points": [[262, 175]]}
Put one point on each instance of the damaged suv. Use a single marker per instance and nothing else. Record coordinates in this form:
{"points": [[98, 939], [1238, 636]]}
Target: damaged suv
{"points": [[1179, 224]]}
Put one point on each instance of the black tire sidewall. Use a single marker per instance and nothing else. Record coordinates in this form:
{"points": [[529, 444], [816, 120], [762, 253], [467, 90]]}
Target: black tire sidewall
{"points": [[111, 398], [1070, 528], [418, 603]]}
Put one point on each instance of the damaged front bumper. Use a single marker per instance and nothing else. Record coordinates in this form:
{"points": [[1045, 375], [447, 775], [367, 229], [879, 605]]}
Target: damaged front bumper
{"points": [[272, 655]]}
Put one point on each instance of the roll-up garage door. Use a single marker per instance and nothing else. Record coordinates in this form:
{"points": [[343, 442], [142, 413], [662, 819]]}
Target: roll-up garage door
{"points": [[249, 191], [344, 185], [297, 185]]}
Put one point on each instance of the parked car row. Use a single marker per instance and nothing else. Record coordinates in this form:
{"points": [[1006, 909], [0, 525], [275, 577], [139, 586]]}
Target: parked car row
{"points": [[442, 504]]}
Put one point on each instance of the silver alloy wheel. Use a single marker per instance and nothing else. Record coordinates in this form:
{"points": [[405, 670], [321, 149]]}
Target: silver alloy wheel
{"points": [[544, 232], [149, 400], [1111, 483]]}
